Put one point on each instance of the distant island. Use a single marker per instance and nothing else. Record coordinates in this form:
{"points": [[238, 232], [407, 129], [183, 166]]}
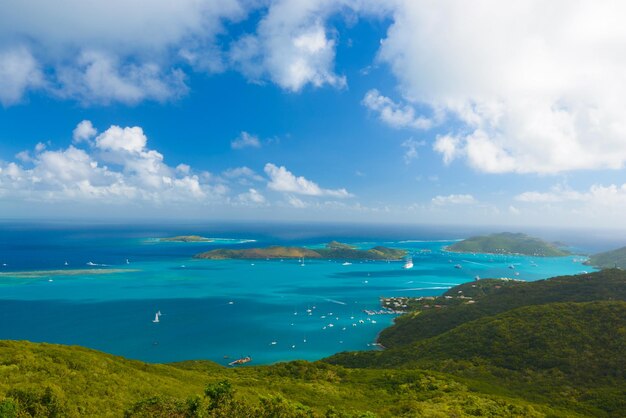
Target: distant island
{"points": [[333, 250], [608, 259], [508, 243], [186, 238]]}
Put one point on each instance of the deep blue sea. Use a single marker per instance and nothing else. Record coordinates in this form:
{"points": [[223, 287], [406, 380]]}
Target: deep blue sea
{"points": [[225, 309]]}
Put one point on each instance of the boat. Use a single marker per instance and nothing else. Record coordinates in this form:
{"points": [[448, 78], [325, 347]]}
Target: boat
{"points": [[66, 264], [156, 317], [408, 264], [90, 263], [458, 266], [511, 266], [346, 264], [242, 360], [127, 262]]}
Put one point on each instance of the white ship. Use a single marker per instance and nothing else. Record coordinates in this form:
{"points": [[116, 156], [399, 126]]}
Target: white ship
{"points": [[408, 264]]}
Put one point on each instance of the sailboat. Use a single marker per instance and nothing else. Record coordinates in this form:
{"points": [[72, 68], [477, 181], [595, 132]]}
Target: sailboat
{"points": [[408, 264], [156, 317]]}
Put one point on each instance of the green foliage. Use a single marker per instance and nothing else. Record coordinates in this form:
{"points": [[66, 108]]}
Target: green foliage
{"points": [[603, 285], [508, 243], [609, 259]]}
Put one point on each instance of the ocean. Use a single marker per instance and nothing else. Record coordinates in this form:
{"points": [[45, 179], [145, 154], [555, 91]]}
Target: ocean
{"points": [[118, 277]]}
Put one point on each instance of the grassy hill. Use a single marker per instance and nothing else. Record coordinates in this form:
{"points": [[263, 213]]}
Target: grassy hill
{"points": [[507, 243], [560, 341], [502, 296], [609, 259], [48, 380]]}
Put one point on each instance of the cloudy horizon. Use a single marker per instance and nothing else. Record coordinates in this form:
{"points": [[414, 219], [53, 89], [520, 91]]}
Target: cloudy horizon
{"points": [[353, 110]]}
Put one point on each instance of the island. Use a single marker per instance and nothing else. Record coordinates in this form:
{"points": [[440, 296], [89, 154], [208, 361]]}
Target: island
{"points": [[333, 251], [508, 243], [608, 259], [186, 238]]}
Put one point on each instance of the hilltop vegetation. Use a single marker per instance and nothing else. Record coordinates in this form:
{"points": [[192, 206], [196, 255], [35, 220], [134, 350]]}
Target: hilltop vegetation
{"points": [[496, 296], [520, 338], [552, 348], [507, 243], [333, 250], [609, 259], [47, 380]]}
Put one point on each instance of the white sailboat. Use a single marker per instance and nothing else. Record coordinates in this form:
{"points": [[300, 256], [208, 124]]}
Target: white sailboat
{"points": [[408, 264], [156, 317]]}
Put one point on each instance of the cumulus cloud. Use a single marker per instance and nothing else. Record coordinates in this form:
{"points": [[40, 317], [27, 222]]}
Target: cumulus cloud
{"points": [[530, 95], [398, 116], [19, 72], [84, 131], [119, 168], [283, 180], [453, 199], [107, 51], [252, 196], [99, 77], [291, 47], [243, 174], [245, 140]]}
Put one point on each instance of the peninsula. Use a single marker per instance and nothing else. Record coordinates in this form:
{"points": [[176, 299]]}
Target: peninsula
{"points": [[333, 250], [508, 243], [608, 259]]}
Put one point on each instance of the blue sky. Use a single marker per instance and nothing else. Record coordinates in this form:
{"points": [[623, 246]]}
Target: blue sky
{"points": [[407, 111]]}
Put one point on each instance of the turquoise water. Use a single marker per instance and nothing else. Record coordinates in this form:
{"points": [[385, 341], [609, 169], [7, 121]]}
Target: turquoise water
{"points": [[221, 309]]}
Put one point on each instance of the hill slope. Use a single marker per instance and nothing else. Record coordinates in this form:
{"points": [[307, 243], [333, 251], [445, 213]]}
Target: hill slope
{"points": [[61, 381], [507, 243], [609, 259], [603, 285]]}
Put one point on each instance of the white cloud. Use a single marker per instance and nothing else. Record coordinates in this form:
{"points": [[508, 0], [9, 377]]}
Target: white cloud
{"points": [[99, 77], [121, 169], [394, 114], [245, 140], [536, 87], [84, 131], [107, 51], [596, 194], [411, 146], [19, 72], [252, 196], [454, 199], [295, 202], [282, 180], [242, 173], [291, 47]]}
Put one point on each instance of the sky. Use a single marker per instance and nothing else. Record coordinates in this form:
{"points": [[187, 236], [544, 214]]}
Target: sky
{"points": [[487, 112]]}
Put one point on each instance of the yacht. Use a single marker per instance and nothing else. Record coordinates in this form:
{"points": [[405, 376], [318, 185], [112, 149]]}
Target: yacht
{"points": [[408, 264]]}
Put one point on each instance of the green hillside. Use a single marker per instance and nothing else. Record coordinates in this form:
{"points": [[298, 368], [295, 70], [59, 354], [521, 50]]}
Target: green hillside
{"points": [[422, 324], [507, 243], [46, 380], [609, 259], [552, 348]]}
